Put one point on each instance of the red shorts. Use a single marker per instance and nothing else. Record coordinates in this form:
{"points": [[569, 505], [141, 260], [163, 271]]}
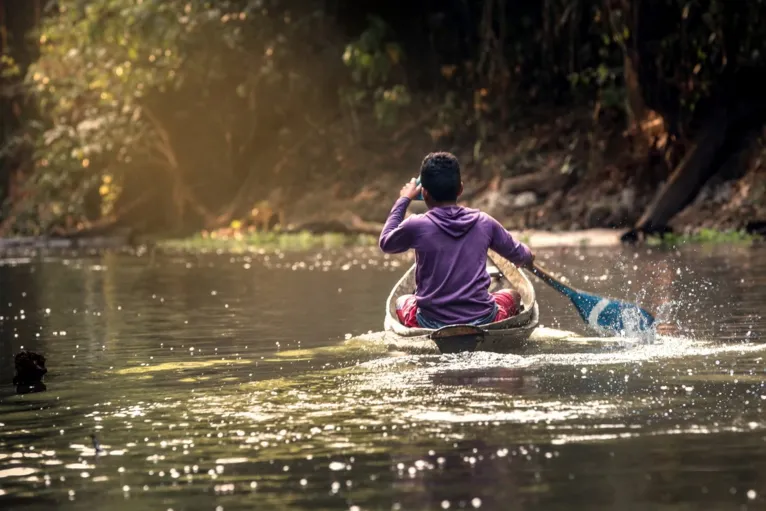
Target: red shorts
{"points": [[407, 308]]}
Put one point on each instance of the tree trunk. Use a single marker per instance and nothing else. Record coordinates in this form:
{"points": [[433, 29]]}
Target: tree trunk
{"points": [[688, 178], [725, 134]]}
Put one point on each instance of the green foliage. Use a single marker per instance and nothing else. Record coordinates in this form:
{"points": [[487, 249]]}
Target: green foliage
{"points": [[698, 43], [604, 75], [372, 59], [606, 82], [388, 102], [117, 82], [705, 237], [8, 67], [201, 100], [267, 241]]}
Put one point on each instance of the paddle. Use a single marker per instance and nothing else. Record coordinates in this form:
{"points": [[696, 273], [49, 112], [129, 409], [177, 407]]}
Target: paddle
{"points": [[613, 316]]}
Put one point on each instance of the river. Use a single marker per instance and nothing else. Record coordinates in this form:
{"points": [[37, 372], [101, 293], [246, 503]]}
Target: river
{"points": [[221, 382]]}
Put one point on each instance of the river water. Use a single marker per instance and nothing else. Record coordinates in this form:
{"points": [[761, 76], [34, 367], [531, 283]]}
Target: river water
{"points": [[221, 382]]}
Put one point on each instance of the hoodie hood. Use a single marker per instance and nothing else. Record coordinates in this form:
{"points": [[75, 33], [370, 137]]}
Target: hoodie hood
{"points": [[454, 220]]}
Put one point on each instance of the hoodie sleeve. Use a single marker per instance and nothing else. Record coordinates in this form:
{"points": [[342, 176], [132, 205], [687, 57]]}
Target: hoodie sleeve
{"points": [[503, 243], [397, 235]]}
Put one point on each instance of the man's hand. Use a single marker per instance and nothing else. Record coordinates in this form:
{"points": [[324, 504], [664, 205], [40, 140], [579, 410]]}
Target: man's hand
{"points": [[531, 261], [410, 190]]}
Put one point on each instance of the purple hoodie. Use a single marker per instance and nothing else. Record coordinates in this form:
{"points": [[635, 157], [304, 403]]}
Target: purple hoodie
{"points": [[451, 245]]}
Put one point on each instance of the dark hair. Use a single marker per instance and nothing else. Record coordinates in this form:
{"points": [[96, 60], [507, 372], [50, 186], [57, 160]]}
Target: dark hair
{"points": [[440, 175]]}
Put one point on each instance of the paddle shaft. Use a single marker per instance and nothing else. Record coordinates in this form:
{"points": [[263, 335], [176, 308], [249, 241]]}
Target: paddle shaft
{"points": [[551, 280]]}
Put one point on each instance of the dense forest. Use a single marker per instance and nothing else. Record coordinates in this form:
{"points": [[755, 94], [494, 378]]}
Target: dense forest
{"points": [[172, 116]]}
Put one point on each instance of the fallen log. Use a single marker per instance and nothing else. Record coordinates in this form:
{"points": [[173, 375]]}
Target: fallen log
{"points": [[345, 223], [688, 178], [542, 183], [106, 225]]}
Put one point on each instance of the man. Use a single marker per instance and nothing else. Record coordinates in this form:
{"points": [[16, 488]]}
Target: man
{"points": [[450, 244]]}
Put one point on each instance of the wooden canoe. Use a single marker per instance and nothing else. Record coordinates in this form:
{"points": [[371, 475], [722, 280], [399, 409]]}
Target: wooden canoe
{"points": [[503, 336]]}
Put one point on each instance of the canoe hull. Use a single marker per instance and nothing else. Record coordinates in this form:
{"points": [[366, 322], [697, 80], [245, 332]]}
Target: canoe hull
{"points": [[503, 336]]}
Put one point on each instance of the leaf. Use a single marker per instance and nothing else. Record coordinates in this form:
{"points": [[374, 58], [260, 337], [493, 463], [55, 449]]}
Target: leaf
{"points": [[394, 52], [602, 73]]}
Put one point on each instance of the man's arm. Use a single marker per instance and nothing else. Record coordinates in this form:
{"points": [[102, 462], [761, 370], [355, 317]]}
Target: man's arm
{"points": [[397, 235], [503, 243]]}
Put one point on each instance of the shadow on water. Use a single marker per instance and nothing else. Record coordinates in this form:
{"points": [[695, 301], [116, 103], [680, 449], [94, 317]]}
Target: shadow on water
{"points": [[223, 382]]}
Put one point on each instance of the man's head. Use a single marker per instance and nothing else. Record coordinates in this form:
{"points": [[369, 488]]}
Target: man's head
{"points": [[440, 177]]}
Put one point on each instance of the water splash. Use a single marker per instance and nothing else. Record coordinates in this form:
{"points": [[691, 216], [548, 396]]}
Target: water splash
{"points": [[663, 347]]}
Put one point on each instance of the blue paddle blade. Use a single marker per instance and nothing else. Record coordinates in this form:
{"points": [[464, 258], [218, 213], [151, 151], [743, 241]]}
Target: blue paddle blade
{"points": [[604, 314], [611, 315]]}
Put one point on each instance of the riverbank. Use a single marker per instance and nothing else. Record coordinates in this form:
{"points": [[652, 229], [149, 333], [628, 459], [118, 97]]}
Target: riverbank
{"points": [[238, 242], [559, 177], [537, 239], [571, 175], [572, 182]]}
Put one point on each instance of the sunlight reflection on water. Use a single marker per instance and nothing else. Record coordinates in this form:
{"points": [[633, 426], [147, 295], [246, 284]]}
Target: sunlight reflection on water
{"points": [[233, 424]]}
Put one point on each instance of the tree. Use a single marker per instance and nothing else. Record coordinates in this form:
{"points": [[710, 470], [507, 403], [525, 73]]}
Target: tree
{"points": [[176, 95]]}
